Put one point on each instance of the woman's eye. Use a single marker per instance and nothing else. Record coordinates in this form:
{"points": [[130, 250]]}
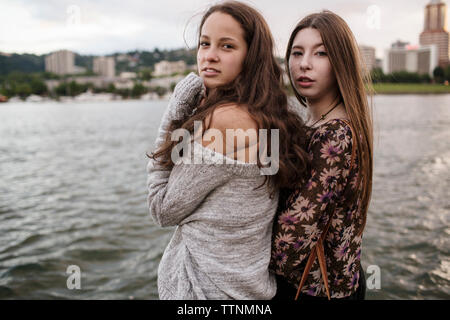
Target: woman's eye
{"points": [[204, 44], [228, 46], [296, 53], [321, 53]]}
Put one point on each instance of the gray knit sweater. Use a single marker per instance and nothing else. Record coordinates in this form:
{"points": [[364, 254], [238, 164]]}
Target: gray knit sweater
{"points": [[221, 246]]}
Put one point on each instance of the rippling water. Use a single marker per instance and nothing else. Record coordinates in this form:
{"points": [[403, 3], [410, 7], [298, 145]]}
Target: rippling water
{"points": [[72, 192]]}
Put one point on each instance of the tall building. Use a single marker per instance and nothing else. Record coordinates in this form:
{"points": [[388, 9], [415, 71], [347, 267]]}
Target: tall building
{"points": [[104, 66], [368, 57], [166, 68], [61, 62], [435, 30], [405, 57]]}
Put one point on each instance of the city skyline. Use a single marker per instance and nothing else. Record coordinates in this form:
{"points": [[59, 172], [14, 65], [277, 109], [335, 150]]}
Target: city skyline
{"points": [[105, 27]]}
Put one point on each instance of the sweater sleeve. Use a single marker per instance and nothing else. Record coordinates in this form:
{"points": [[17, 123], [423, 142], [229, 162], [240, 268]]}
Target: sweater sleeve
{"points": [[174, 195], [162, 196], [310, 207]]}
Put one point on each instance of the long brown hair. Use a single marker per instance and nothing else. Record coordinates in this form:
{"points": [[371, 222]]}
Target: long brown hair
{"points": [[259, 87], [352, 78]]}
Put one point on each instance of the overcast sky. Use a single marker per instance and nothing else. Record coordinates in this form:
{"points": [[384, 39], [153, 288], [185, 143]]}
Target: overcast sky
{"points": [[107, 26]]}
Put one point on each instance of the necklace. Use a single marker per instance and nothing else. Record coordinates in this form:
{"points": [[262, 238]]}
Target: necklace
{"points": [[325, 114]]}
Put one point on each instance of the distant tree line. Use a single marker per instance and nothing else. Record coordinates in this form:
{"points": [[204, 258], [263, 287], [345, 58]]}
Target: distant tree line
{"points": [[26, 63], [25, 84], [73, 89], [440, 75]]}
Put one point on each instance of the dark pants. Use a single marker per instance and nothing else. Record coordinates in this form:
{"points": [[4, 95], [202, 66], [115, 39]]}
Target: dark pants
{"points": [[286, 291]]}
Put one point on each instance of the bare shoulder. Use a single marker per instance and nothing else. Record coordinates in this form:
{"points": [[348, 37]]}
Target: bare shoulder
{"points": [[237, 131], [232, 116]]}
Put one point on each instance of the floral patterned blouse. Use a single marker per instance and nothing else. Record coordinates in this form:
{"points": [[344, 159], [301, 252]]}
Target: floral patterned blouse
{"points": [[303, 214]]}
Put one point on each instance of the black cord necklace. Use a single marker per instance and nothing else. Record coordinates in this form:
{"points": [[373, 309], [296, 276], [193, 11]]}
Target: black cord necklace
{"points": [[325, 114]]}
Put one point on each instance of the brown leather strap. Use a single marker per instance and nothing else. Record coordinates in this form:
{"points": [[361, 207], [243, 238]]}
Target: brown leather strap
{"points": [[312, 257], [318, 250], [323, 266]]}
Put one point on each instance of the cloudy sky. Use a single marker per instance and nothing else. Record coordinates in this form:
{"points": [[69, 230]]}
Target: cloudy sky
{"points": [[107, 26]]}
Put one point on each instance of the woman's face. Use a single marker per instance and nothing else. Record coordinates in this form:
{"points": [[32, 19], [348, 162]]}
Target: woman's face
{"points": [[222, 50], [310, 68]]}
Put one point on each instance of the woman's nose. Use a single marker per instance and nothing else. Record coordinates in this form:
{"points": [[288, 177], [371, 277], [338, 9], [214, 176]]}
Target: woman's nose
{"points": [[211, 55], [305, 62]]}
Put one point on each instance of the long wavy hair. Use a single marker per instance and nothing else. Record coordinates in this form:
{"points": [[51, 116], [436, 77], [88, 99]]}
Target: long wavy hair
{"points": [[354, 84], [258, 87]]}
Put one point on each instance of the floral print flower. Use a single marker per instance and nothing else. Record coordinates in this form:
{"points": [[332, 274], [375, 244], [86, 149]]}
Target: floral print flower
{"points": [[304, 208], [312, 233], [330, 153], [298, 244], [287, 221], [350, 266], [325, 198], [283, 240], [328, 178], [342, 251], [280, 258]]}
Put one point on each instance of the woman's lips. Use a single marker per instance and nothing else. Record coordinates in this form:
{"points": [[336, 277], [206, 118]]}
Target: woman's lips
{"points": [[305, 82], [210, 72]]}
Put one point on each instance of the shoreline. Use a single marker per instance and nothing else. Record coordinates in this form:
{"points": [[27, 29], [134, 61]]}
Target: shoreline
{"points": [[410, 88], [379, 89]]}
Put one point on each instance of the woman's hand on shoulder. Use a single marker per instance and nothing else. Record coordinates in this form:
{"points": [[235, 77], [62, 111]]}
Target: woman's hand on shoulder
{"points": [[190, 90], [187, 95]]}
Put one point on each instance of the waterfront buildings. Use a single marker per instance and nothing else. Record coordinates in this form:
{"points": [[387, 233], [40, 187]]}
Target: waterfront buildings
{"points": [[405, 57]]}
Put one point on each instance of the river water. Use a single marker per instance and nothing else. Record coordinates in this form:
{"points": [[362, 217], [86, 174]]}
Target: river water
{"points": [[72, 192]]}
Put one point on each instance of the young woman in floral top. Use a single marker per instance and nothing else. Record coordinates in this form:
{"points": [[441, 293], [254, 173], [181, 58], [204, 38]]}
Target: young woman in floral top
{"points": [[326, 72]]}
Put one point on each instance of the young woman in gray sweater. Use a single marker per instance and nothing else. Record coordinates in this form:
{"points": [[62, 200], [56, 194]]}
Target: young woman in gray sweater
{"points": [[219, 194]]}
